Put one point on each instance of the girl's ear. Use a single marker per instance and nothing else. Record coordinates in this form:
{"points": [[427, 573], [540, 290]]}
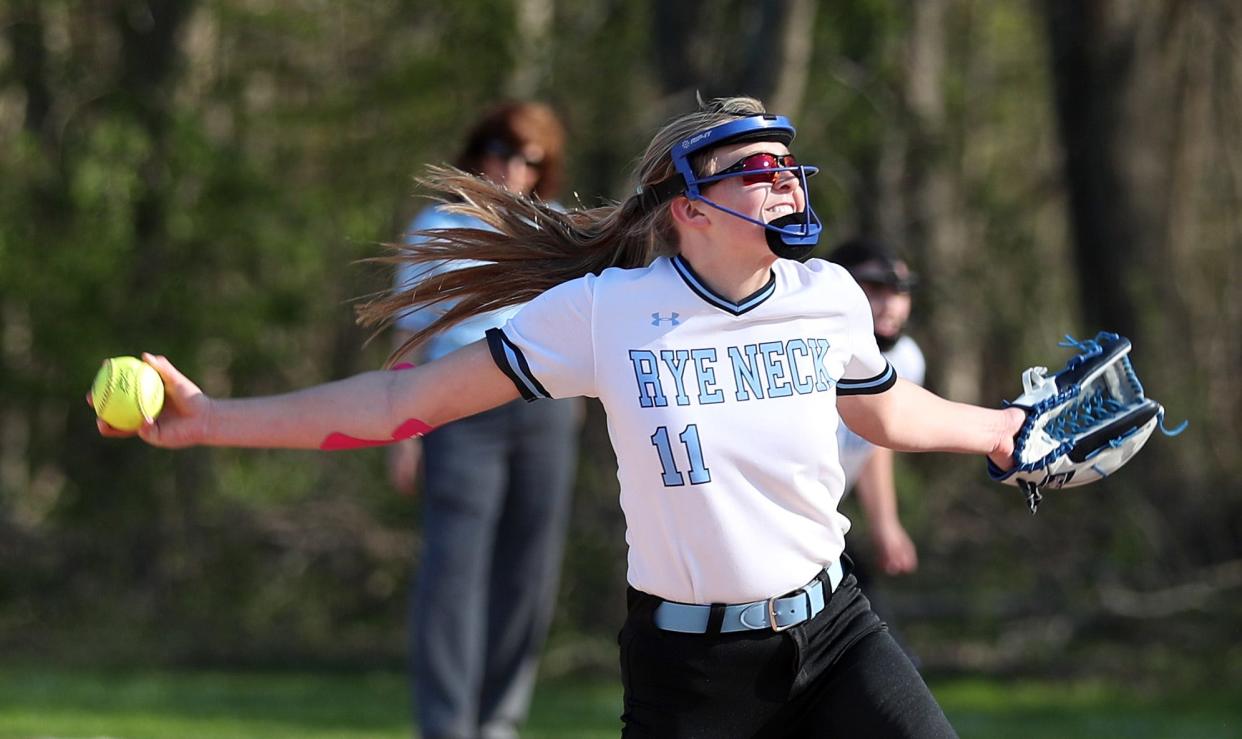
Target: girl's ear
{"points": [[687, 212]]}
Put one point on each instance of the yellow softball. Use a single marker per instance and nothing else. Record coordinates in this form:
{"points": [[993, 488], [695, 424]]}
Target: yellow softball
{"points": [[127, 390]]}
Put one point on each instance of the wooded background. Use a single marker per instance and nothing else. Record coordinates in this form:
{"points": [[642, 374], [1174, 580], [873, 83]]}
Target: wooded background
{"points": [[200, 177]]}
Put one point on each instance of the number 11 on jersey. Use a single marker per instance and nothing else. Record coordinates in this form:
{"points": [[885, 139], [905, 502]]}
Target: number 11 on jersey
{"points": [[672, 476]]}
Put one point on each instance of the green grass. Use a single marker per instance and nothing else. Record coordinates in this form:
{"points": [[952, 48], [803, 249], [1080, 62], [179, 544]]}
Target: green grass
{"points": [[1086, 709], [221, 705]]}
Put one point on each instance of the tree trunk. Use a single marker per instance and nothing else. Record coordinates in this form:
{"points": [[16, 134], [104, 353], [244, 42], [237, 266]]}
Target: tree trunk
{"points": [[934, 226], [24, 29], [696, 52], [1093, 58], [150, 61], [532, 63]]}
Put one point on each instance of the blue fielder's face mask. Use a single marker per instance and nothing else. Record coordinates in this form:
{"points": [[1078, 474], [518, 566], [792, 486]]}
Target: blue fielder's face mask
{"points": [[791, 236]]}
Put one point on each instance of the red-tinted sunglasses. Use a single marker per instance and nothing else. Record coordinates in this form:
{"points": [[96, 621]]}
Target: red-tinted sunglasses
{"points": [[761, 168]]}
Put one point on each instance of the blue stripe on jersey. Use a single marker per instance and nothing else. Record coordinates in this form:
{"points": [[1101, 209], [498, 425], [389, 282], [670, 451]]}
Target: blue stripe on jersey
{"points": [[701, 289], [512, 362], [869, 386]]}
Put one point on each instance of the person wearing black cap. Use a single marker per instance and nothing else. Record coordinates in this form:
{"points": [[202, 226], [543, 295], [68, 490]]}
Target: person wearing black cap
{"points": [[887, 282]]}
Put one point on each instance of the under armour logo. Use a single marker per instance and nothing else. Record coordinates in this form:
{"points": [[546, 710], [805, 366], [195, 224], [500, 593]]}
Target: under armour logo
{"points": [[656, 318]]}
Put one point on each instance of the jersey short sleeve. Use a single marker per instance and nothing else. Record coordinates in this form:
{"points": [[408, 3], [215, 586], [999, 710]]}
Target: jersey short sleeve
{"points": [[867, 372], [548, 348]]}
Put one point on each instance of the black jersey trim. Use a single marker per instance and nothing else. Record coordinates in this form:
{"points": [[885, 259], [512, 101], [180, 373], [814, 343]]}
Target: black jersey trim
{"points": [[700, 288], [869, 386], [509, 358]]}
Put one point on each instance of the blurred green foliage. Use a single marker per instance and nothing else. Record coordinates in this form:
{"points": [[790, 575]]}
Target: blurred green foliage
{"points": [[202, 178]]}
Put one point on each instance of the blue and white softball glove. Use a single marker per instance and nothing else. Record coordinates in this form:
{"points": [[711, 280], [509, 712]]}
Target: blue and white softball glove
{"points": [[1084, 422]]}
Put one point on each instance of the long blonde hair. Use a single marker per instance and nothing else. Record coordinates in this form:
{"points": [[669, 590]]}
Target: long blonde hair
{"points": [[533, 246]]}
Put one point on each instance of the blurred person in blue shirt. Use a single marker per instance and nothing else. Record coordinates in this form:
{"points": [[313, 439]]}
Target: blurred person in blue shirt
{"points": [[497, 486]]}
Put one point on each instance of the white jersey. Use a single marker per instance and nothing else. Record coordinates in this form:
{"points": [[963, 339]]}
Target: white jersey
{"points": [[723, 415], [907, 360]]}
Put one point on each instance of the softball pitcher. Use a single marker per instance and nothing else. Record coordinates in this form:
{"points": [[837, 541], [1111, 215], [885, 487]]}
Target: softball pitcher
{"points": [[722, 361]]}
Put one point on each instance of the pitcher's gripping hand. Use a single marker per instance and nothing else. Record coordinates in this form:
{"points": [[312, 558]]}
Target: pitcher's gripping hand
{"points": [[186, 414]]}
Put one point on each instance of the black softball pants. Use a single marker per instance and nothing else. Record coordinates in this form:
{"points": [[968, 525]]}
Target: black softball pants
{"points": [[838, 675]]}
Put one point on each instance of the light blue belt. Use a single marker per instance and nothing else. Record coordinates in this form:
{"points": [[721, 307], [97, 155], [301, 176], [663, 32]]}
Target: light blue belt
{"points": [[776, 613]]}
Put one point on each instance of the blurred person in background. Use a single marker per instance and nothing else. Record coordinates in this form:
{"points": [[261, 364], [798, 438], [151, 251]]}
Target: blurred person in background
{"points": [[497, 488], [887, 282]]}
